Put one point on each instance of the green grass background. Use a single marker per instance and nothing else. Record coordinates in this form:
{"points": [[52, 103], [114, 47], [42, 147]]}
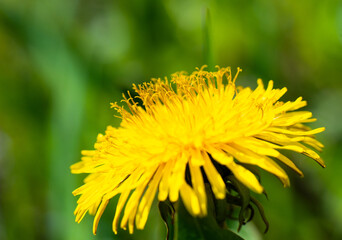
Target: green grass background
{"points": [[62, 63]]}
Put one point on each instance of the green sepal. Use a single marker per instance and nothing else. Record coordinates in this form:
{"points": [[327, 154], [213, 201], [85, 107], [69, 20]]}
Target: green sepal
{"points": [[245, 199], [261, 211], [181, 225], [167, 212], [195, 228]]}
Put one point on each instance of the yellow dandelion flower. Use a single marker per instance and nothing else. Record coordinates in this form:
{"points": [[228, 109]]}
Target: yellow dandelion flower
{"points": [[190, 123]]}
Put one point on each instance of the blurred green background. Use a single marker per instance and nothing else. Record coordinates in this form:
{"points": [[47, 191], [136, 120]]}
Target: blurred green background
{"points": [[62, 63]]}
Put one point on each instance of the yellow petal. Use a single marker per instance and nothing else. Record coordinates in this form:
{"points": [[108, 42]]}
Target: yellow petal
{"points": [[177, 177], [245, 177], [133, 202], [190, 199], [80, 215], [289, 163], [241, 173], [122, 200], [215, 179], [257, 146], [98, 215], [198, 186], [220, 156], [165, 182], [245, 155], [93, 209], [147, 199], [281, 130], [196, 158], [291, 118]]}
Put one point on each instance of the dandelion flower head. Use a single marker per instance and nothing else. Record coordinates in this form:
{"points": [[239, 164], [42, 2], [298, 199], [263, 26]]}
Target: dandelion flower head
{"points": [[188, 125]]}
